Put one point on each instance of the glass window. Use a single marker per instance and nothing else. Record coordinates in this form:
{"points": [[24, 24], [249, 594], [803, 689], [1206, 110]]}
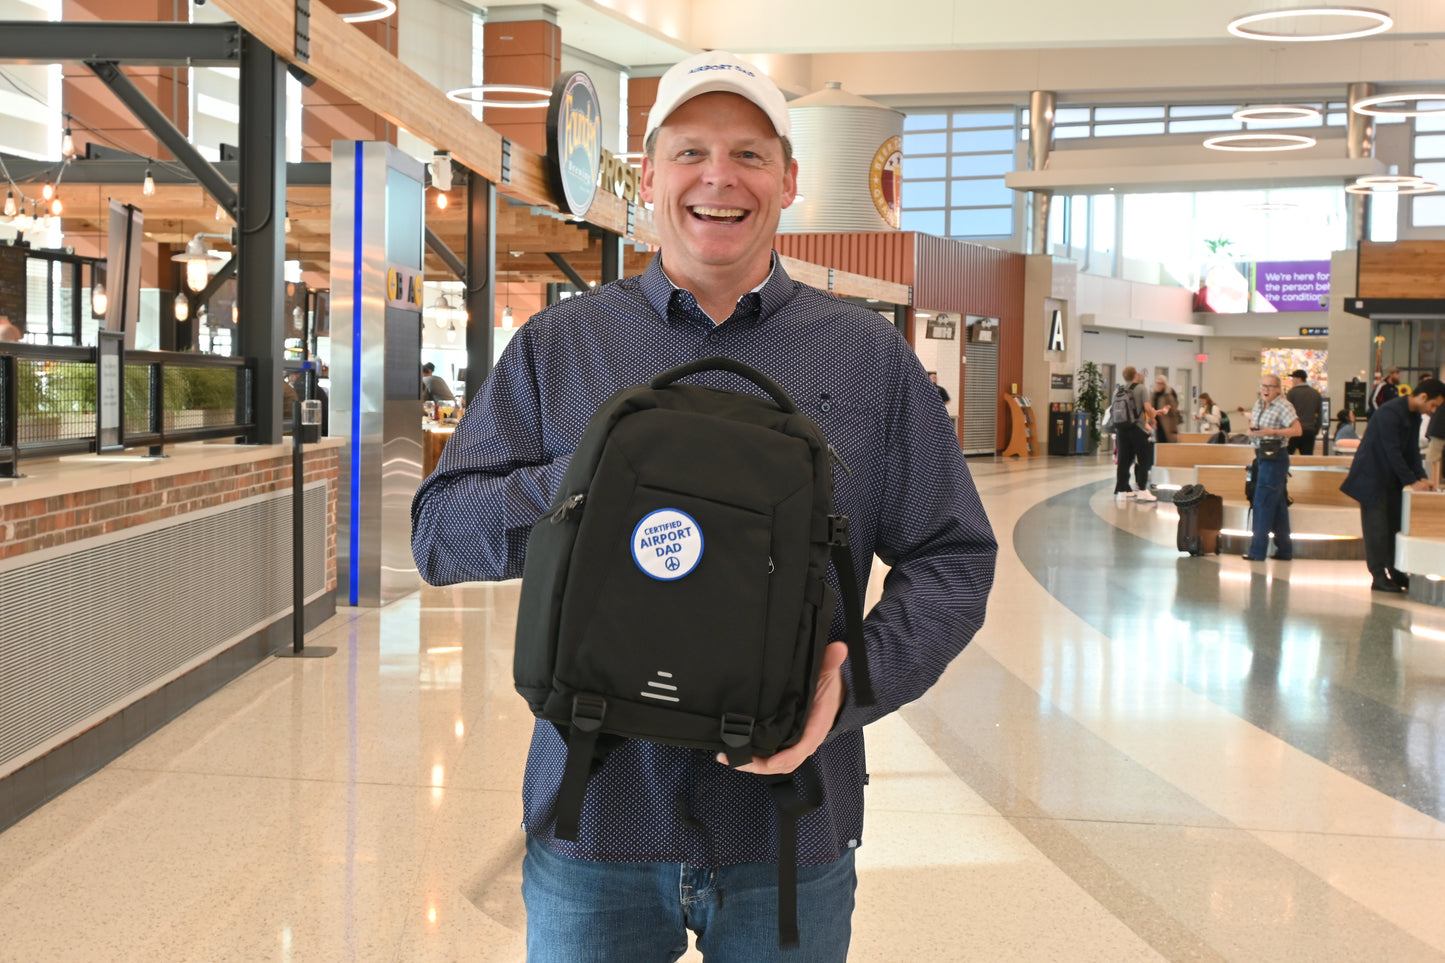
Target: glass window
{"points": [[984, 119], [1128, 130], [923, 193], [1127, 113], [922, 167], [1197, 111], [971, 141], [1335, 120], [982, 222], [1429, 211], [1431, 122], [981, 165], [925, 222], [1063, 133], [980, 192], [1433, 146], [925, 144], [925, 121], [1204, 126], [1071, 115], [1431, 171]]}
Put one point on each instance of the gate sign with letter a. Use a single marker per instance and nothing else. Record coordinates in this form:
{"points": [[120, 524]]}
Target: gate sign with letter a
{"points": [[1056, 331]]}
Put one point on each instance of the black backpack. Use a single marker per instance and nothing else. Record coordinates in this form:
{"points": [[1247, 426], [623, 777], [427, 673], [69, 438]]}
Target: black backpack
{"points": [[697, 507]]}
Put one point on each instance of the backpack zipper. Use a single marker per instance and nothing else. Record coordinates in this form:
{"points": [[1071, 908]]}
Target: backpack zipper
{"points": [[839, 459], [566, 508]]}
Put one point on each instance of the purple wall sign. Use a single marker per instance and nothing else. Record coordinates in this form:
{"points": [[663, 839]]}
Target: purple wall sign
{"points": [[1294, 285]]}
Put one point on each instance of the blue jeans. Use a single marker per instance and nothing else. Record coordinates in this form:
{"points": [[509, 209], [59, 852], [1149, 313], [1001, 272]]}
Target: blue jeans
{"points": [[583, 911], [1271, 509]]}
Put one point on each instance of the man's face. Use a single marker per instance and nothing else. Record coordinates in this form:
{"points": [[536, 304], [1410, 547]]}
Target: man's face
{"points": [[718, 185], [1425, 404], [1159, 384], [1394, 378]]}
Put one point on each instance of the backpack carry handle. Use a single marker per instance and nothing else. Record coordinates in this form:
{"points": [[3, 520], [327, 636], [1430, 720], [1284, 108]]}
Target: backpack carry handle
{"points": [[774, 390]]}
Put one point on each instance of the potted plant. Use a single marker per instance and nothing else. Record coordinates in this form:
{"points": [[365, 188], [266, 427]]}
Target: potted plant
{"points": [[1091, 399]]}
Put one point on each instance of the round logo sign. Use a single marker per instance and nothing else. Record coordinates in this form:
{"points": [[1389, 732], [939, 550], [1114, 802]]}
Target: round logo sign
{"points": [[574, 142], [667, 544], [885, 181]]}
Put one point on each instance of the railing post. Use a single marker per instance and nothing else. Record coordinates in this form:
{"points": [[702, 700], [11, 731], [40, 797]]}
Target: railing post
{"points": [[10, 426], [157, 376]]}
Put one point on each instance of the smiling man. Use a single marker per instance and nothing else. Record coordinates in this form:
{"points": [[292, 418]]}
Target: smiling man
{"points": [[671, 839]]}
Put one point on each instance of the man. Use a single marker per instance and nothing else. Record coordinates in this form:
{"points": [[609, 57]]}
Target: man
{"points": [[8, 330], [942, 391], [1435, 445], [1388, 460], [657, 819], [1271, 418], [1307, 404], [433, 386], [1132, 438], [1389, 389]]}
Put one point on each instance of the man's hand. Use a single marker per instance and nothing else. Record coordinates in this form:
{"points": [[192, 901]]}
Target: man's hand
{"points": [[827, 701], [1423, 485]]}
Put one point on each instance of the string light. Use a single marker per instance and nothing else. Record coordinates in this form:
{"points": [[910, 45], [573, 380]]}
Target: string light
{"points": [[288, 222], [48, 191], [9, 203], [67, 142], [183, 306], [56, 207], [148, 186]]}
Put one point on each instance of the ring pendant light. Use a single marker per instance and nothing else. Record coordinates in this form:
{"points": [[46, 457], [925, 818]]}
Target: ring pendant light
{"points": [[1276, 112], [1422, 187], [1372, 105], [1390, 180], [1261, 142], [481, 95], [384, 9], [1243, 26]]}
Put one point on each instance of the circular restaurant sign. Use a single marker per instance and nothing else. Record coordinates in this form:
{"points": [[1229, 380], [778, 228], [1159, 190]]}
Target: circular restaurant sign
{"points": [[885, 181], [574, 142]]}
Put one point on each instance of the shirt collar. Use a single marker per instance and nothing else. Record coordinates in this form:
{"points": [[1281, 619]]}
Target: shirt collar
{"points": [[769, 296]]}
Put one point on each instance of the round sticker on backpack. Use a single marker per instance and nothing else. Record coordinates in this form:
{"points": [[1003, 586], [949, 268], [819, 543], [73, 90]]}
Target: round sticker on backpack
{"points": [[667, 544]]}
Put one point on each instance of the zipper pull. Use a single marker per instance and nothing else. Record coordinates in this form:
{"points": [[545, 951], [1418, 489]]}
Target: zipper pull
{"points": [[567, 507], [839, 459]]}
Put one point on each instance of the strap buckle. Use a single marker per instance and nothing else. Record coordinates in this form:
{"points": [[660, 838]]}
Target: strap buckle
{"points": [[587, 712], [737, 730], [838, 530]]}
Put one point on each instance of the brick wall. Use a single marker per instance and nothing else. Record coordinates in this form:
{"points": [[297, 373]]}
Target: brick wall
{"points": [[29, 526]]}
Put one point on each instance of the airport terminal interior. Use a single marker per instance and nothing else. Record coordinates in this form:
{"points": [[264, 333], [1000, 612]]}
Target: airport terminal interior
{"points": [[220, 208], [1142, 756]]}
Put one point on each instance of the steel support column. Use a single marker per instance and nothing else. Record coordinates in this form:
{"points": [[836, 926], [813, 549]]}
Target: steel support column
{"points": [[1041, 138], [567, 269], [481, 280], [1359, 142], [612, 260], [260, 222], [448, 256]]}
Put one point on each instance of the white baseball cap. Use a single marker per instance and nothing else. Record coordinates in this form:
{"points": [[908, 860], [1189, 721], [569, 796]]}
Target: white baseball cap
{"points": [[718, 70]]}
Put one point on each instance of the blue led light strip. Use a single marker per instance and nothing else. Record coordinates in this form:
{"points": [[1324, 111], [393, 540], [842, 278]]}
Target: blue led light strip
{"points": [[354, 535]]}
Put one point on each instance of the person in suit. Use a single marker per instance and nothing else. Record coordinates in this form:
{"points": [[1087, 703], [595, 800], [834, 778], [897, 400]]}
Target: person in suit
{"points": [[1387, 462]]}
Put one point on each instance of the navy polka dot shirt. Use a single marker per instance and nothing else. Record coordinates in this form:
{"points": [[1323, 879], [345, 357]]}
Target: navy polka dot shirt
{"points": [[907, 493]]}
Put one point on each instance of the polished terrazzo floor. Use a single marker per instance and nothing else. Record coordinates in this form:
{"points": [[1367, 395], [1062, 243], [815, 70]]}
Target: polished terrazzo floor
{"points": [[1141, 757]]}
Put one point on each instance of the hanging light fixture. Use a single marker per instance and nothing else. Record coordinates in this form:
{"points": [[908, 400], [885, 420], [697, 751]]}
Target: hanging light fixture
{"points": [[486, 95], [67, 142], [451, 332], [197, 260], [9, 203], [443, 310], [384, 9], [1274, 113], [1260, 142], [1378, 21], [55, 206], [288, 222], [48, 191], [235, 313], [148, 186], [1374, 106], [99, 301], [1418, 187], [183, 306], [441, 200]]}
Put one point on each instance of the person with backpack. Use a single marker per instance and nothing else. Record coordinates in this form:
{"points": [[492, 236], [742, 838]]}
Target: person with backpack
{"points": [[670, 838], [1130, 414]]}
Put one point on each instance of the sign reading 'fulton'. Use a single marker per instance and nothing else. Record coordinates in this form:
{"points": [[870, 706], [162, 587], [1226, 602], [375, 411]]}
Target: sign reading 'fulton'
{"points": [[850, 168], [574, 142]]}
